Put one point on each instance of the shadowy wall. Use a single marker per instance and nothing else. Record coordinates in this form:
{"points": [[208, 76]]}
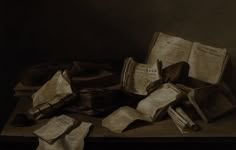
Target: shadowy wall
{"points": [[41, 30]]}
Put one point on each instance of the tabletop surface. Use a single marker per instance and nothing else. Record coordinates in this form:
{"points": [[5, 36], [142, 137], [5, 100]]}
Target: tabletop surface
{"points": [[223, 127]]}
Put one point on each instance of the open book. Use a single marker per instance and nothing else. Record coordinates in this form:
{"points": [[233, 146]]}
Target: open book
{"points": [[207, 63], [136, 77], [151, 108]]}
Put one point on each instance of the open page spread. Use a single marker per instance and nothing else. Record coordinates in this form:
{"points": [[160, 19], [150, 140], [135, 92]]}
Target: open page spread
{"points": [[49, 133], [170, 50], [147, 109], [136, 76], [206, 62]]}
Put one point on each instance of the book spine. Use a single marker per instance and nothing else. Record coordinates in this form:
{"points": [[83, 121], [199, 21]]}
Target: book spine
{"points": [[127, 73], [191, 97]]}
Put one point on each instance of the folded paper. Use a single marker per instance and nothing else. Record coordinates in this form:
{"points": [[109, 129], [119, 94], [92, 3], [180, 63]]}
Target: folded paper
{"points": [[58, 86]]}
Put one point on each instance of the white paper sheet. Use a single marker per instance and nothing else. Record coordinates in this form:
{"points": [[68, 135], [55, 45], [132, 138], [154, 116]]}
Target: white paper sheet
{"points": [[58, 86], [71, 141], [56, 127]]}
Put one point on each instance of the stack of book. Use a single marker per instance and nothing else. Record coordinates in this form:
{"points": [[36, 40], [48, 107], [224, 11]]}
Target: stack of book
{"points": [[205, 87]]}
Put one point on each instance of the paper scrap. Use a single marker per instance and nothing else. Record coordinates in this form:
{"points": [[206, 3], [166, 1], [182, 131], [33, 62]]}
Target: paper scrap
{"points": [[58, 86], [55, 128]]}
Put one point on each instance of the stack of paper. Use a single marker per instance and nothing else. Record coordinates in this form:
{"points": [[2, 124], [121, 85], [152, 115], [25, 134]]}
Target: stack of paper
{"points": [[183, 122]]}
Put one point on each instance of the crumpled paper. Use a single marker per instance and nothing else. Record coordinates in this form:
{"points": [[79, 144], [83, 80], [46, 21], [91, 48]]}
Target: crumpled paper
{"points": [[71, 141], [58, 86]]}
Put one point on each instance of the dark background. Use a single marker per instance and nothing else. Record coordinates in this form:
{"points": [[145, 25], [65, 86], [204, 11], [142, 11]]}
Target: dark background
{"points": [[33, 31]]}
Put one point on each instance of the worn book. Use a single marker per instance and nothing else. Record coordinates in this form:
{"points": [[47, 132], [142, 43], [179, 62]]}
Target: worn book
{"points": [[181, 119], [150, 109], [51, 107], [136, 77], [207, 63], [213, 101]]}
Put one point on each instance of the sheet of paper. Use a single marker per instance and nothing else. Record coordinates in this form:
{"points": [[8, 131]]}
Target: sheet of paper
{"points": [[58, 85], [158, 99], [121, 118], [71, 141], [170, 50], [206, 62], [55, 128]]}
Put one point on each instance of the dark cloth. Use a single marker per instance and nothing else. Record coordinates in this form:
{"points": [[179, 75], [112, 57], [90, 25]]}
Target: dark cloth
{"points": [[176, 73]]}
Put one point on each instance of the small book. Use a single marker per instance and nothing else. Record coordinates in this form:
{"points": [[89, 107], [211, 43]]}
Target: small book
{"points": [[136, 76], [183, 122], [151, 108], [206, 63]]}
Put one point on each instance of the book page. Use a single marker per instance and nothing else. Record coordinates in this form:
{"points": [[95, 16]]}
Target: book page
{"points": [[144, 75], [170, 50], [158, 99], [55, 128], [206, 62], [136, 76], [121, 118]]}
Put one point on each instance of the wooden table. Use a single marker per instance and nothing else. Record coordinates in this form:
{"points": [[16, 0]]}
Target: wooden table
{"points": [[221, 131]]}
